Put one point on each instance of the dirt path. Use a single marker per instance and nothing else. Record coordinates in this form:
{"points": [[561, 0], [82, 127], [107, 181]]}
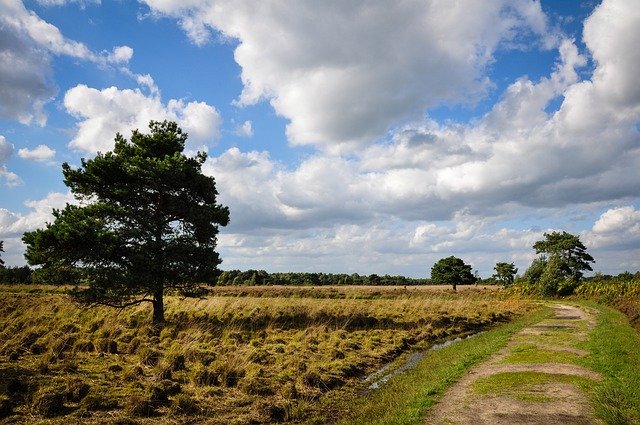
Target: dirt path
{"points": [[533, 380]]}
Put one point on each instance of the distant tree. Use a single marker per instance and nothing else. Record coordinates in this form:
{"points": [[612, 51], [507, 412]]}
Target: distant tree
{"points": [[451, 271], [147, 223], [572, 253], [15, 274], [505, 273]]}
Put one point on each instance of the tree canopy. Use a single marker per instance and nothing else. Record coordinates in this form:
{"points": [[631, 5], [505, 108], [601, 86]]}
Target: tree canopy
{"points": [[451, 271], [147, 222], [505, 273], [570, 250]]}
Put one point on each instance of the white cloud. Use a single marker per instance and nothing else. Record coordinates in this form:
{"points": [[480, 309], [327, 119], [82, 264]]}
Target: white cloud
{"points": [[515, 158], [13, 225], [6, 150], [623, 219], [345, 72], [28, 44], [244, 130], [616, 229], [103, 113], [41, 153], [120, 55]]}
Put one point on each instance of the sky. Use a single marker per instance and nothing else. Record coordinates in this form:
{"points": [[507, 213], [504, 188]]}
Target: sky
{"points": [[345, 136]]}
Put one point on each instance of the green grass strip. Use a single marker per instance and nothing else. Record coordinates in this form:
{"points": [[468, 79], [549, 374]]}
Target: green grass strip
{"points": [[407, 397], [530, 353], [614, 353], [522, 385]]}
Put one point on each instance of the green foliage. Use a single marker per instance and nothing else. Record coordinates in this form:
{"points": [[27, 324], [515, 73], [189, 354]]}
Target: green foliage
{"points": [[147, 223], [567, 247], [505, 273], [261, 278], [15, 274], [559, 268], [610, 289], [451, 271]]}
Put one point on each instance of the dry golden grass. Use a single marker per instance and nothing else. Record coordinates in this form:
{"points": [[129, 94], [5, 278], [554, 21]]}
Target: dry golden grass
{"points": [[259, 355]]}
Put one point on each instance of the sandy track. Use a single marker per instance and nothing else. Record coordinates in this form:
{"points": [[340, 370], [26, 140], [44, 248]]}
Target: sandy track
{"points": [[555, 400]]}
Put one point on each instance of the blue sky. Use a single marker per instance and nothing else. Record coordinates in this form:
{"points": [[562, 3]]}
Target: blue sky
{"points": [[344, 136]]}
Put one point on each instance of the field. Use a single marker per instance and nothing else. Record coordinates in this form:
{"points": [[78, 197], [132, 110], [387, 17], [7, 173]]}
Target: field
{"points": [[240, 355]]}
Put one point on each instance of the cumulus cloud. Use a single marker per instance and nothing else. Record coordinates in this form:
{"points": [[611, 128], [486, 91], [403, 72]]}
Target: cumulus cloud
{"points": [[343, 73], [41, 153], [27, 44], [616, 229], [13, 225], [516, 157], [245, 129], [6, 150], [103, 113], [120, 55]]}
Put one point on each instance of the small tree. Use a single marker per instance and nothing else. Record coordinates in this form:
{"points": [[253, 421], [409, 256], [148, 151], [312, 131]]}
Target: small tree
{"points": [[451, 271], [147, 223], [572, 253], [505, 273]]}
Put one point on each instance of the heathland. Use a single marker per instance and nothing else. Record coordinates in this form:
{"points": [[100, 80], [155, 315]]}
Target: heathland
{"points": [[275, 354]]}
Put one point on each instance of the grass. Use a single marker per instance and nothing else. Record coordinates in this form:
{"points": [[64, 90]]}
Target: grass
{"points": [[295, 356], [525, 386], [530, 353], [407, 397], [614, 353], [285, 355]]}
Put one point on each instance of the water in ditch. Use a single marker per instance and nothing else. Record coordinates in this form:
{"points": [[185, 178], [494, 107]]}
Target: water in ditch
{"points": [[382, 375]]}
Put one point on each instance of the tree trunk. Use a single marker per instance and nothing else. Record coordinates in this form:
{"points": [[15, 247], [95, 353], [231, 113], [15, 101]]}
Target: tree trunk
{"points": [[158, 308], [454, 287]]}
